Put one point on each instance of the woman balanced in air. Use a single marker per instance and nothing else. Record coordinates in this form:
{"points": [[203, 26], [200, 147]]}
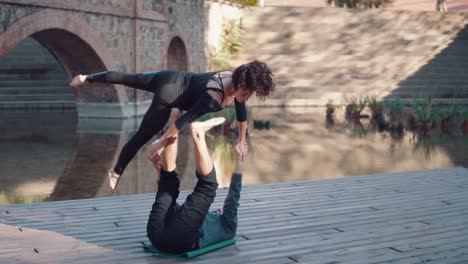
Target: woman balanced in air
{"points": [[196, 93]]}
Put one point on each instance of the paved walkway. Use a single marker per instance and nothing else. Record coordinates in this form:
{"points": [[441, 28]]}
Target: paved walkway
{"points": [[416, 5]]}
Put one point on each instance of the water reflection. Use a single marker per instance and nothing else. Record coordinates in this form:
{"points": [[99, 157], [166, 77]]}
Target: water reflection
{"points": [[49, 156], [34, 149]]}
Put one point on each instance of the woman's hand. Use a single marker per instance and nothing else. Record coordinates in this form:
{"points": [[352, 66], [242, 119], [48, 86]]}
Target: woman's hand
{"points": [[240, 153], [153, 152], [242, 148]]}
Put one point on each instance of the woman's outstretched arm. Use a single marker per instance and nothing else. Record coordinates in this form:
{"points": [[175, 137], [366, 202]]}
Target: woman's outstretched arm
{"points": [[241, 113]]}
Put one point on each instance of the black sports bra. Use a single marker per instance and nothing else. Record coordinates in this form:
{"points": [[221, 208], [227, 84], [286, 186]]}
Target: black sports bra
{"points": [[219, 80]]}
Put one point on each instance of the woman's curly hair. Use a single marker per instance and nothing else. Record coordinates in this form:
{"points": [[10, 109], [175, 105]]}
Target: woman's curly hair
{"points": [[254, 76]]}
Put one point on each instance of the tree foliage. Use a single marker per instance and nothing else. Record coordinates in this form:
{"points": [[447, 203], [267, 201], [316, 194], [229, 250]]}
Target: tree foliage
{"points": [[246, 2]]}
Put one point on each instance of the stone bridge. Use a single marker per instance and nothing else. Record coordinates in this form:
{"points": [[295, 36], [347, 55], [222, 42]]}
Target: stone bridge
{"points": [[88, 36]]}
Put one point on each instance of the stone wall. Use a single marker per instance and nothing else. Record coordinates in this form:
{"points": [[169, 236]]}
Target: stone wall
{"points": [[187, 22], [9, 14], [88, 36], [124, 35]]}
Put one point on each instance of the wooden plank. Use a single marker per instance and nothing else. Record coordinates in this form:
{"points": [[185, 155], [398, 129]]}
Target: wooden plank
{"points": [[388, 255], [142, 234], [141, 222], [241, 209], [116, 199], [405, 217], [256, 210], [305, 248], [91, 209]]}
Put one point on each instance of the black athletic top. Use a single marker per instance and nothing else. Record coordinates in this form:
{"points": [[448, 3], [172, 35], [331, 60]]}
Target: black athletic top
{"points": [[184, 90]]}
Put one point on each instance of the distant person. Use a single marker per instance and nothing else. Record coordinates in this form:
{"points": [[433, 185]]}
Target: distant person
{"points": [[197, 93], [441, 6], [175, 228]]}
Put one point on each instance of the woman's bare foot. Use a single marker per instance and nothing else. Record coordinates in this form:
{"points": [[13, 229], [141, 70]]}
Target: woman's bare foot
{"points": [[113, 179], [78, 80], [203, 127]]}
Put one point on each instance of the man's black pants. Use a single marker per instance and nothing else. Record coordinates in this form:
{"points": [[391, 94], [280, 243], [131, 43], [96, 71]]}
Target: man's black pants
{"points": [[175, 228]]}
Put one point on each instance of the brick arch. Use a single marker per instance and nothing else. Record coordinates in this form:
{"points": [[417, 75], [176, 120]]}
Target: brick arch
{"points": [[75, 45], [177, 54], [176, 38]]}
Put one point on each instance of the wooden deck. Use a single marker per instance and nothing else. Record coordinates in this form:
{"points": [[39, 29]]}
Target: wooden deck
{"points": [[411, 217]]}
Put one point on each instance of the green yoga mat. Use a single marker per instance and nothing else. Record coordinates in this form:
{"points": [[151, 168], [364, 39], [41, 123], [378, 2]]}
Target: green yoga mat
{"points": [[189, 254]]}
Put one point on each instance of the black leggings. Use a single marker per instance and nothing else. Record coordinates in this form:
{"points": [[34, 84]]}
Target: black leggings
{"points": [[173, 228], [167, 86]]}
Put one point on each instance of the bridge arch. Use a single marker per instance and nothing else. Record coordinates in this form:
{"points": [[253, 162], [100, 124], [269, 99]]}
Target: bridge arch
{"points": [[177, 55], [74, 43]]}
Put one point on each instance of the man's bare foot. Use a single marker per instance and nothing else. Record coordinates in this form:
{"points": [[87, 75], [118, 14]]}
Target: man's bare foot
{"points": [[203, 127], [113, 179]]}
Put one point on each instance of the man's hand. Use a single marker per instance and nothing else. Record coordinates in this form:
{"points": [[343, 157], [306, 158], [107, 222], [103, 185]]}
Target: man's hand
{"points": [[241, 149]]}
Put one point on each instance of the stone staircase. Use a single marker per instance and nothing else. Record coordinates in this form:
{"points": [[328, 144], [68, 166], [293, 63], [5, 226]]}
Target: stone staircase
{"points": [[322, 54], [31, 78], [444, 76]]}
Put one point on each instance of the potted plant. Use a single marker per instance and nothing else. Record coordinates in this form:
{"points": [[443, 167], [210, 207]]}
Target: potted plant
{"points": [[350, 109], [377, 109], [330, 111], [360, 104], [425, 112], [354, 108], [446, 113], [394, 111], [465, 121], [375, 106]]}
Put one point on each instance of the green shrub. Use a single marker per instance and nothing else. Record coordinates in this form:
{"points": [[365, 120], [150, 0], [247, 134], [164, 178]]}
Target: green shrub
{"points": [[231, 43], [448, 111], [395, 108], [232, 37], [465, 114], [425, 111], [246, 2], [219, 60]]}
